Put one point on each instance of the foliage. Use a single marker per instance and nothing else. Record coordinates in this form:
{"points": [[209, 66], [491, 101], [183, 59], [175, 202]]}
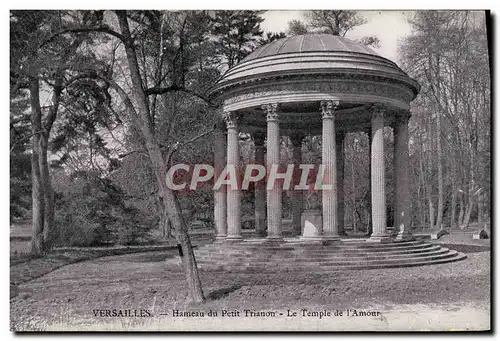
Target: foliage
{"points": [[237, 34], [272, 36], [336, 22], [297, 27], [450, 129], [91, 211], [20, 160]]}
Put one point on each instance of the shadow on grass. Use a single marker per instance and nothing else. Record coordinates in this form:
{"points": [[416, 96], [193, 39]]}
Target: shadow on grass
{"points": [[220, 293]]}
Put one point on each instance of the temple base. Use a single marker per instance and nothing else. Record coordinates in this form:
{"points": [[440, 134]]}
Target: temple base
{"points": [[405, 236], [233, 239], [380, 239]]}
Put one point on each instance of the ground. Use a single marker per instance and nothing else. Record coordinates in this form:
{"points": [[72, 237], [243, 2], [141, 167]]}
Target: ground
{"points": [[439, 297]]}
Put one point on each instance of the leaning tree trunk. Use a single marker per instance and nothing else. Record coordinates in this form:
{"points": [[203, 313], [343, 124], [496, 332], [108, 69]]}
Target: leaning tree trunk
{"points": [[37, 241], [159, 164]]}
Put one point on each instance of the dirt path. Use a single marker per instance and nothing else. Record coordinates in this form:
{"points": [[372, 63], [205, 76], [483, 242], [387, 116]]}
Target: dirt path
{"points": [[440, 297]]}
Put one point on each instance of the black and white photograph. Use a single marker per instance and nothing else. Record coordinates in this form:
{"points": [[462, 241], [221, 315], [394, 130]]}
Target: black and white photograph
{"points": [[223, 170]]}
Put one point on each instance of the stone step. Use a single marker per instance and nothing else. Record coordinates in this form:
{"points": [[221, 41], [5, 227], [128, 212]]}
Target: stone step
{"points": [[296, 256], [450, 257], [294, 242], [341, 267], [204, 251], [326, 256], [239, 248], [279, 261]]}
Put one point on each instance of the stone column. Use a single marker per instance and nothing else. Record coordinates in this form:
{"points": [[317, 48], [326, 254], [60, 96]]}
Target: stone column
{"points": [[220, 199], [233, 194], [297, 195], [402, 214], [274, 204], [329, 162], [379, 217], [369, 192], [260, 187], [340, 152]]}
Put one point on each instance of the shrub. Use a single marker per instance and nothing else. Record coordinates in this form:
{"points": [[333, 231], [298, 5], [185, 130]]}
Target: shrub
{"points": [[91, 211]]}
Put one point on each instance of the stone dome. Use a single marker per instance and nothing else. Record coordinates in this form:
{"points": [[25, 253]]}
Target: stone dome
{"points": [[317, 56], [309, 43]]}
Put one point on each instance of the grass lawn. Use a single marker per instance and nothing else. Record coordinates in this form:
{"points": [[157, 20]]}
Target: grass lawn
{"points": [[452, 296]]}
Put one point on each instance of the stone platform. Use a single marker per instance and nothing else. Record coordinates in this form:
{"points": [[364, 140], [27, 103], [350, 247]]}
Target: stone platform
{"points": [[259, 255]]}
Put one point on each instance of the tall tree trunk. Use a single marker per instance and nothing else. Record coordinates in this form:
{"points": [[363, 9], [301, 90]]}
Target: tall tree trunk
{"points": [[439, 220], [453, 208], [159, 165], [38, 205], [468, 211], [422, 196], [461, 213], [480, 200], [431, 211], [48, 194]]}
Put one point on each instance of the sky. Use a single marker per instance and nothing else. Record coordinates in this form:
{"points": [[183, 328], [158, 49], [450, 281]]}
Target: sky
{"points": [[388, 26]]}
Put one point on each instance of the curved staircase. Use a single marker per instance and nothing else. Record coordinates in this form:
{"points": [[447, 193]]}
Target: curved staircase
{"points": [[295, 255]]}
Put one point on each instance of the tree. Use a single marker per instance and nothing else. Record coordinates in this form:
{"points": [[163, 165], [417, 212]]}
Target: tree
{"points": [[140, 105], [296, 27], [39, 63], [237, 34], [20, 159], [336, 22], [272, 36], [447, 53]]}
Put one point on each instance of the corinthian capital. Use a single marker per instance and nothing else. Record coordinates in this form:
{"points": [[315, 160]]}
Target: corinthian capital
{"points": [[230, 118], [403, 117], [271, 111], [328, 108], [379, 110]]}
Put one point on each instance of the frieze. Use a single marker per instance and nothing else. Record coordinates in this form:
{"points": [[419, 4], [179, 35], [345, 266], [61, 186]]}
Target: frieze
{"points": [[351, 87]]}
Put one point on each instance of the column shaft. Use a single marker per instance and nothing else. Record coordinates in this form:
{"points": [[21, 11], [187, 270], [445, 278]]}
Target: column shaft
{"points": [[329, 161], [379, 217], [340, 153], [233, 194], [220, 195], [274, 204], [402, 215], [297, 195], [260, 188], [369, 228]]}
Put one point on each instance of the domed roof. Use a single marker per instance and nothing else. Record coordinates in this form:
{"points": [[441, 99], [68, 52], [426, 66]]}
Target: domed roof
{"points": [[312, 59], [309, 43]]}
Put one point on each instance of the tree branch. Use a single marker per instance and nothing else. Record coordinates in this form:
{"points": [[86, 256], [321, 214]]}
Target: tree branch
{"points": [[103, 29], [121, 156], [27, 137], [163, 90], [176, 146]]}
